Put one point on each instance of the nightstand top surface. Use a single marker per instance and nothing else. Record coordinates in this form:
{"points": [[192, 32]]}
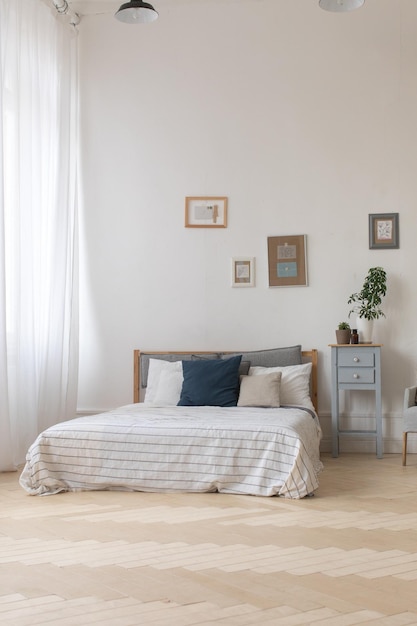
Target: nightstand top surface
{"points": [[355, 345]]}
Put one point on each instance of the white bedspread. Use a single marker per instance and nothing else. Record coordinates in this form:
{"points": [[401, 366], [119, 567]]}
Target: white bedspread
{"points": [[262, 452]]}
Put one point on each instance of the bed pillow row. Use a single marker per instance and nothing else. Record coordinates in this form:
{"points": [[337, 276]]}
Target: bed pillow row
{"points": [[216, 383], [271, 357], [202, 382]]}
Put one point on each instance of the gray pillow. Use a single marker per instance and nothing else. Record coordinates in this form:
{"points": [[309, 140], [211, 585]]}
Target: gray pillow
{"points": [[244, 368], [271, 358]]}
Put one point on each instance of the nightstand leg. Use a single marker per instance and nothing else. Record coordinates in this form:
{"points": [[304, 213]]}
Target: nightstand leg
{"points": [[378, 404], [335, 407]]}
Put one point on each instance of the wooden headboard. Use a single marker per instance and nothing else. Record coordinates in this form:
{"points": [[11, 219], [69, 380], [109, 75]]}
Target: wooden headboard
{"points": [[307, 355]]}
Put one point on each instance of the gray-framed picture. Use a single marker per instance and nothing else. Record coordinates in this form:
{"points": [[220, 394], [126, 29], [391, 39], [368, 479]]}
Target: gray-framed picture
{"points": [[384, 230]]}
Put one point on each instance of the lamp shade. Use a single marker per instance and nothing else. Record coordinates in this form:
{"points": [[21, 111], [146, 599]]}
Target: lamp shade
{"points": [[341, 6], [136, 12]]}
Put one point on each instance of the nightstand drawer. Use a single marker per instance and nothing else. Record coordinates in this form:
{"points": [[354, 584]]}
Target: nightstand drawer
{"points": [[357, 375], [356, 358]]}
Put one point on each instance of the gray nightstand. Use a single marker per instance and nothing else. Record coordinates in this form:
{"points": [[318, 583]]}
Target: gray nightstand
{"points": [[358, 367]]}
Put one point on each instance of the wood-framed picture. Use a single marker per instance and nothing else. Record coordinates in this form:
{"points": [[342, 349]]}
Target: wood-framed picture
{"points": [[384, 230], [243, 271], [287, 261], [206, 212]]}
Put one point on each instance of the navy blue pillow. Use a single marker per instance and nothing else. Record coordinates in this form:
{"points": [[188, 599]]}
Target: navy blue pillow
{"points": [[210, 383]]}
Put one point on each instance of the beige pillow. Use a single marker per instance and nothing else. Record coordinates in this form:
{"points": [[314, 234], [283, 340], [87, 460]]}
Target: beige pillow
{"points": [[262, 391]]}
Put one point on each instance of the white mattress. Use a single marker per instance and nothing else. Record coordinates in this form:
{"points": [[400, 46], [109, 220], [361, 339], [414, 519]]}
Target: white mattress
{"points": [[262, 452]]}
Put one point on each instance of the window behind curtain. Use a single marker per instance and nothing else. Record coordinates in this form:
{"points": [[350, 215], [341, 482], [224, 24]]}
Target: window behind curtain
{"points": [[38, 235]]}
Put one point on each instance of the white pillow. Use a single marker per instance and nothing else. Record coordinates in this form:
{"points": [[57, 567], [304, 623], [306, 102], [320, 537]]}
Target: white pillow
{"points": [[164, 382], [295, 383]]}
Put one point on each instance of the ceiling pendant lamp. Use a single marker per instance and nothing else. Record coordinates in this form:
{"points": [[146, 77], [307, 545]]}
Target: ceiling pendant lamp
{"points": [[136, 12], [341, 6]]}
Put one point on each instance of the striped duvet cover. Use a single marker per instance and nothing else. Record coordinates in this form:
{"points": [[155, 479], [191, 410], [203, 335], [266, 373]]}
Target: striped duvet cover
{"points": [[138, 447]]}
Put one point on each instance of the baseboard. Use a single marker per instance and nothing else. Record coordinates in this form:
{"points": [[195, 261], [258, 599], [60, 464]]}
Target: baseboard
{"points": [[367, 445]]}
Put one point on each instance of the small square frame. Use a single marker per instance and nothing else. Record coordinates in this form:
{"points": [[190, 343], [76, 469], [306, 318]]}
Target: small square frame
{"points": [[287, 261], [206, 212], [243, 271], [384, 231]]}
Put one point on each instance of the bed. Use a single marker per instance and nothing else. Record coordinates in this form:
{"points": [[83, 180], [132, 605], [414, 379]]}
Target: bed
{"points": [[239, 423]]}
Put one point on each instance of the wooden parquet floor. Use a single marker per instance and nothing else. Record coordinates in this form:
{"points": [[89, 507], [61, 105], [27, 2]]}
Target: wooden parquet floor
{"points": [[346, 556]]}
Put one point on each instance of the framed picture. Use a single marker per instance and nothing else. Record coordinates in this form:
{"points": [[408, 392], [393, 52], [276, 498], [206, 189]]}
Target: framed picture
{"points": [[206, 212], [383, 230], [243, 272], [287, 262]]}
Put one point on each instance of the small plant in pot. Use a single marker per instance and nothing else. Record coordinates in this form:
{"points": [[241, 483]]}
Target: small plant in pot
{"points": [[343, 333], [367, 302]]}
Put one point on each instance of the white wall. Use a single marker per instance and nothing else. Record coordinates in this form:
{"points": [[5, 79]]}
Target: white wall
{"points": [[306, 121]]}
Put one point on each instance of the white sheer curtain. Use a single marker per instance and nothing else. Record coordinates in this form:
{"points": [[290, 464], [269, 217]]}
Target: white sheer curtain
{"points": [[38, 244]]}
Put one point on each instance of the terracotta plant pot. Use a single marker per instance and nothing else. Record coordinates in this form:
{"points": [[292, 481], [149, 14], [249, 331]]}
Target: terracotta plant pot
{"points": [[343, 336]]}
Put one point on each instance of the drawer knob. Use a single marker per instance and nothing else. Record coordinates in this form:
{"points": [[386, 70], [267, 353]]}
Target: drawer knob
{"points": [[356, 359], [355, 375]]}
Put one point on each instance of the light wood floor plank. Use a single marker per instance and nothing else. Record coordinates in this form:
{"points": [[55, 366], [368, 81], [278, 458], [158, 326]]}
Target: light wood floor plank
{"points": [[346, 556]]}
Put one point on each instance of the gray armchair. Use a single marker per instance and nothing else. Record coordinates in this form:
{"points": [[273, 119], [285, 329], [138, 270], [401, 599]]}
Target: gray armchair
{"points": [[409, 417]]}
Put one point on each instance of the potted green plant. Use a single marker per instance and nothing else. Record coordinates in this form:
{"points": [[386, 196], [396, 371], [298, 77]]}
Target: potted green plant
{"points": [[367, 302], [343, 333]]}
